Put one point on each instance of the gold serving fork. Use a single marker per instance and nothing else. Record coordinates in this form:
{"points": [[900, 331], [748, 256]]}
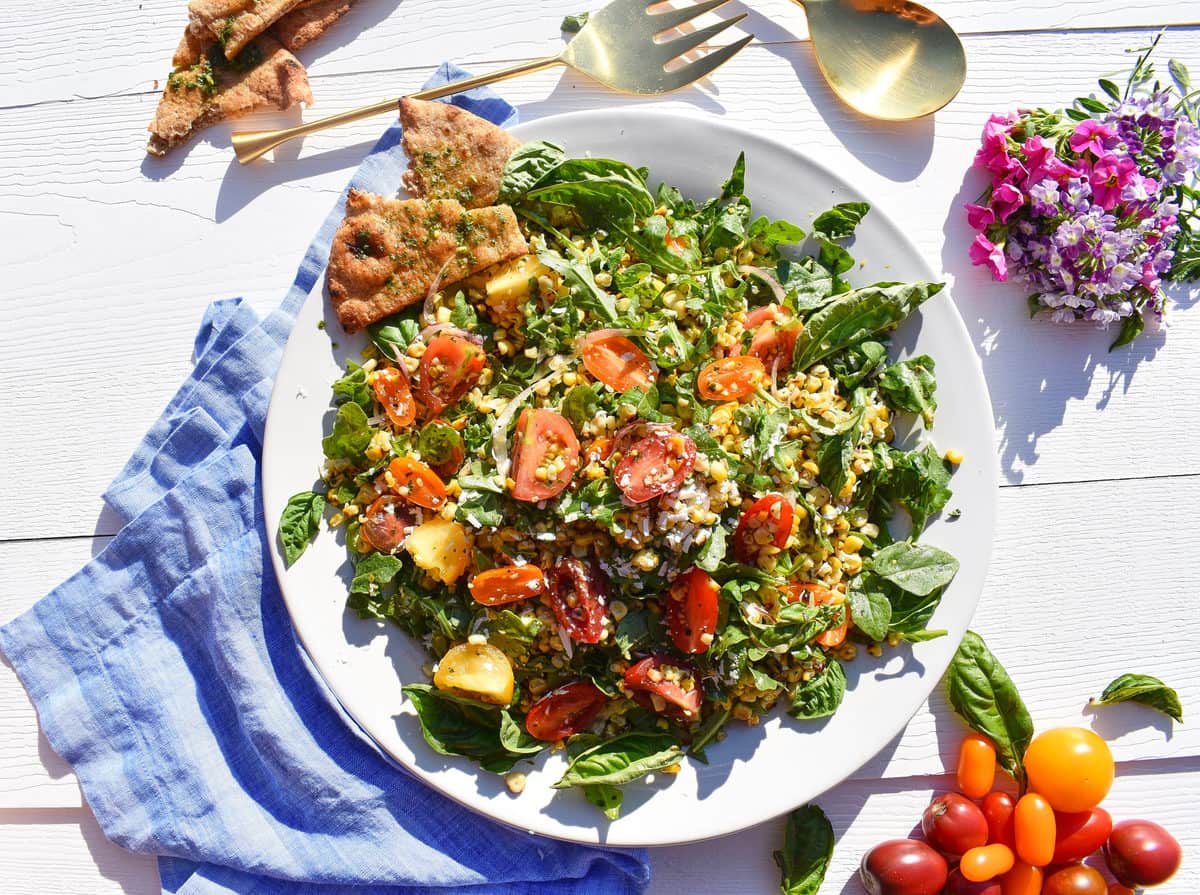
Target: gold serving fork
{"points": [[616, 47]]}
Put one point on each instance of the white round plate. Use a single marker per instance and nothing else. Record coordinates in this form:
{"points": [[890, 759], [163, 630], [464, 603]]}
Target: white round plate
{"points": [[755, 773]]}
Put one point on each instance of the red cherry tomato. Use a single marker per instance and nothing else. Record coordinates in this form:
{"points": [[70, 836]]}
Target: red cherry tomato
{"points": [[1141, 853], [566, 711], [818, 595], [1034, 828], [998, 808], [1023, 879], [542, 439], [417, 483], [773, 345], [986, 862], [1118, 889], [387, 523], [449, 368], [655, 465], [693, 603], [1075, 879], [759, 316], [394, 395], [767, 522], [730, 378], [613, 359], [507, 584], [1080, 834], [953, 824], [579, 597], [903, 867], [660, 681], [976, 766], [957, 884]]}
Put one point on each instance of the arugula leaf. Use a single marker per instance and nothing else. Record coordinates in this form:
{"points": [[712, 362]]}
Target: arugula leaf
{"points": [[806, 853], [712, 552], [597, 501], [578, 277], [456, 726], [299, 523], [910, 385], [836, 452], [1142, 688], [622, 759], [438, 442], [869, 607], [808, 285], [857, 316], [528, 166], [350, 436], [821, 696], [857, 362], [707, 733], [775, 233], [462, 314], [393, 335], [915, 568], [918, 480], [841, 220], [986, 698], [634, 632], [680, 255]]}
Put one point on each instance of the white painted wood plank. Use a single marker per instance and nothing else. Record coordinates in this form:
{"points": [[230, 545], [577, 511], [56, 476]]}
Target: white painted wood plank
{"points": [[45, 48], [1065, 612], [65, 852], [118, 263]]}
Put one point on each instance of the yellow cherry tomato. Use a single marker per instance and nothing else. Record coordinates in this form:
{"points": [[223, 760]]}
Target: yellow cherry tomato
{"points": [[1071, 767], [986, 862], [976, 766], [477, 671], [1034, 830]]}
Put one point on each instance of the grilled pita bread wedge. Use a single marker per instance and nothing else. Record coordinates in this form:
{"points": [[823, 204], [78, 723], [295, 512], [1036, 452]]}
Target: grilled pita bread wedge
{"points": [[234, 23], [265, 76], [453, 154], [308, 21], [391, 253]]}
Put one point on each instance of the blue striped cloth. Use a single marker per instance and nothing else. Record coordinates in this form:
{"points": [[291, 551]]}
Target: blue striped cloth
{"points": [[167, 673]]}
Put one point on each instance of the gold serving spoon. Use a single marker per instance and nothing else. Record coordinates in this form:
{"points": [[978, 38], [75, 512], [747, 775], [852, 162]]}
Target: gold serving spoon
{"points": [[617, 47], [890, 59]]}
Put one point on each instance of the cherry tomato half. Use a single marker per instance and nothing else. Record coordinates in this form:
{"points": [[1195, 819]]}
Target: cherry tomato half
{"points": [[566, 711], [507, 584], [1141, 853], [767, 522], [442, 448], [661, 682], [449, 368], [903, 867], [1075, 879], [998, 808], [986, 862], [417, 483], [976, 766], [692, 607], [387, 523], [819, 595], [655, 465], [953, 824], [767, 313], [579, 597], [1079, 834], [773, 345], [394, 395], [545, 455], [730, 378], [613, 359], [1034, 829], [1071, 767]]}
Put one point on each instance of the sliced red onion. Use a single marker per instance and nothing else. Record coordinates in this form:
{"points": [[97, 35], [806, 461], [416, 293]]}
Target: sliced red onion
{"points": [[450, 329], [428, 311], [761, 273], [500, 427]]}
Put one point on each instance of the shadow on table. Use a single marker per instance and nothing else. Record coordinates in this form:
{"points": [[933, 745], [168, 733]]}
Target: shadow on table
{"points": [[1033, 368]]}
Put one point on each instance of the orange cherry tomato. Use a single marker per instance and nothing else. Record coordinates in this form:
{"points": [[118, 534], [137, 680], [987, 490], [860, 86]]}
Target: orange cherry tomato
{"points": [[1079, 834], [730, 378], [394, 395], [613, 359], [507, 584], [1023, 879], [1071, 767], [543, 438], [693, 604], [449, 368], [986, 862], [818, 595], [976, 766], [1034, 828], [998, 809], [417, 483]]}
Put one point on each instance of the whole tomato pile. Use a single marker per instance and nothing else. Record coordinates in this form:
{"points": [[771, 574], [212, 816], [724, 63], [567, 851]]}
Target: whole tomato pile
{"points": [[983, 841]]}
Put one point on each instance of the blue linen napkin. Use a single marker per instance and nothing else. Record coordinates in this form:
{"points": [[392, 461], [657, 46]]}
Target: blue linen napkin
{"points": [[167, 673]]}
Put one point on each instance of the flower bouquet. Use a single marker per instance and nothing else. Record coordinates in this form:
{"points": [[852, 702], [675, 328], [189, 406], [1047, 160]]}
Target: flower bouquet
{"points": [[1094, 206]]}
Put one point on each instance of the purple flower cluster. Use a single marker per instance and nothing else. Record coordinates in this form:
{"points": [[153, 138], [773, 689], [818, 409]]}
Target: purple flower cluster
{"points": [[1082, 211]]}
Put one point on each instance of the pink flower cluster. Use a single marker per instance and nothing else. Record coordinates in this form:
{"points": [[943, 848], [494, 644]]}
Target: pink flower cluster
{"points": [[1082, 212]]}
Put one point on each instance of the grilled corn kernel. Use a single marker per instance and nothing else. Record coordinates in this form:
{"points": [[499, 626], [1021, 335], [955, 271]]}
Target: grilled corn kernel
{"points": [[954, 457], [515, 781]]}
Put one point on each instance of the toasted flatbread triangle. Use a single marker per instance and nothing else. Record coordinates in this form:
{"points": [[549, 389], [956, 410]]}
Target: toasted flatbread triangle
{"points": [[308, 21], [453, 154], [206, 93], [389, 253], [234, 23]]}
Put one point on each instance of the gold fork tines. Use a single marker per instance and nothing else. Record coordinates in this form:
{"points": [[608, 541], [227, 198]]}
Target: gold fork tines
{"points": [[617, 47]]}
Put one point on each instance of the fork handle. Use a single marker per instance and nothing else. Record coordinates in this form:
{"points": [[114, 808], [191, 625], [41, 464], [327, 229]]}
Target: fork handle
{"points": [[249, 145]]}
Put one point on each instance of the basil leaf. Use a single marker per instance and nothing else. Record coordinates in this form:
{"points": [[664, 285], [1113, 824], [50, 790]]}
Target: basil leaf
{"points": [[527, 167], [516, 739], [910, 385], [986, 698], [350, 436], [606, 797], [513, 634], [1131, 328], [917, 480], [806, 853], [869, 607], [707, 733], [621, 759], [840, 221], [455, 726], [856, 316], [1143, 688], [353, 387], [820, 697], [392, 336], [299, 523], [575, 23], [915, 568]]}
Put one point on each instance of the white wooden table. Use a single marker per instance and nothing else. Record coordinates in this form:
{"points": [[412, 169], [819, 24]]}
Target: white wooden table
{"points": [[109, 261]]}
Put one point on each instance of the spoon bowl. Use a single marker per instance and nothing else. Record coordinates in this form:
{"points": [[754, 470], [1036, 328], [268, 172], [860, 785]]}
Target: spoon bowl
{"points": [[890, 59]]}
